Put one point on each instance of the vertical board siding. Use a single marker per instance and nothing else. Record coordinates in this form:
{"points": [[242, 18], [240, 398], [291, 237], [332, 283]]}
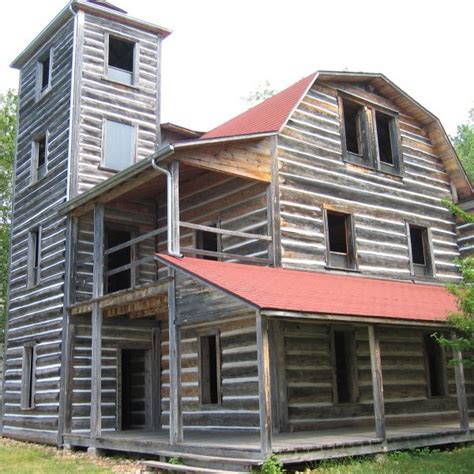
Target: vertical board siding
{"points": [[239, 377], [35, 314], [103, 99], [312, 174]]}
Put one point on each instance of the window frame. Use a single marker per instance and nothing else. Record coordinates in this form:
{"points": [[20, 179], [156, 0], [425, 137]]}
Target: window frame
{"points": [[351, 259], [200, 336], [136, 60], [40, 92], [35, 178], [353, 366], [372, 160], [34, 250], [444, 368], [134, 150], [28, 378], [430, 267]]}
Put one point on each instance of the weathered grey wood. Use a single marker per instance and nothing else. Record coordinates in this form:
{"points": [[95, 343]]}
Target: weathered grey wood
{"points": [[68, 385], [97, 291], [461, 389], [156, 379], [173, 202], [176, 417], [377, 382], [265, 403], [225, 255], [217, 230], [273, 206]]}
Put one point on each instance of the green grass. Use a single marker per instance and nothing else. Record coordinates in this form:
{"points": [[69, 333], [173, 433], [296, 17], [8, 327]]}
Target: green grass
{"points": [[421, 461], [21, 458]]}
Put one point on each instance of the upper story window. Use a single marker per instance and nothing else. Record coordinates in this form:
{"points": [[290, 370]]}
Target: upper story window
{"points": [[118, 145], [44, 74], [370, 136], [340, 244], [421, 260], [121, 60], [39, 157], [34, 257]]}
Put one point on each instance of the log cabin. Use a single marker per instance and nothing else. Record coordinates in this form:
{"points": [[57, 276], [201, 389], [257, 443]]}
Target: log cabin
{"points": [[270, 286]]}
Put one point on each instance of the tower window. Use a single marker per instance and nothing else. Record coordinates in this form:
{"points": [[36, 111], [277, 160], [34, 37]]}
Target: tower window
{"points": [[209, 355], [344, 367], [435, 367], [420, 254], [44, 71], [385, 137], [28, 377], [34, 257], [340, 245], [121, 59], [119, 145], [355, 131], [39, 159]]}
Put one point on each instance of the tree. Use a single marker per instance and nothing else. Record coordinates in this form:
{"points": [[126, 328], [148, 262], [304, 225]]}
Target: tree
{"points": [[462, 320], [262, 92], [464, 145], [8, 104]]}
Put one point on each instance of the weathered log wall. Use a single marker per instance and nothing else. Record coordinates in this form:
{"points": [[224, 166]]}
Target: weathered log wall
{"points": [[312, 174]]}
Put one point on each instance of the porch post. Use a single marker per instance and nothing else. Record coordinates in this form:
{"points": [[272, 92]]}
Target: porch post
{"points": [[461, 390], [265, 404], [97, 291], [377, 382], [176, 417], [173, 202]]}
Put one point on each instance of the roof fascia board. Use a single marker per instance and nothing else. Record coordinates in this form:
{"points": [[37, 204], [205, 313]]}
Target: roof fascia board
{"points": [[207, 282], [211, 141]]}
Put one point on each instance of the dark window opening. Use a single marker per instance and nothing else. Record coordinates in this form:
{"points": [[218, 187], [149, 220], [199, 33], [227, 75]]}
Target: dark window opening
{"points": [[209, 370], [417, 245], [337, 232], [34, 272], [41, 163], [344, 366], [133, 392], [208, 241], [352, 124], [121, 280], [28, 394], [121, 60], [384, 124], [45, 66], [435, 366]]}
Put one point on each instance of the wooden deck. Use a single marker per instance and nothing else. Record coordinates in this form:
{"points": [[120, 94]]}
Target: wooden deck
{"points": [[292, 447]]}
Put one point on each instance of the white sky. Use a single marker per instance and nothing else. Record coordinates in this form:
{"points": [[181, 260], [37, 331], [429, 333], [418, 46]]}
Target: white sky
{"points": [[221, 50]]}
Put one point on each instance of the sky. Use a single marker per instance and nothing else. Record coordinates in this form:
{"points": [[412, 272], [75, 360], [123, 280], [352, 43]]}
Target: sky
{"points": [[221, 51]]}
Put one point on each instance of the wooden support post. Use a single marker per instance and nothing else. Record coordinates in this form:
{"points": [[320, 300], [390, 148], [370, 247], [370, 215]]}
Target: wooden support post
{"points": [[97, 291], [273, 208], [461, 390], [173, 202], [69, 374], [377, 383], [265, 403], [176, 416], [155, 379]]}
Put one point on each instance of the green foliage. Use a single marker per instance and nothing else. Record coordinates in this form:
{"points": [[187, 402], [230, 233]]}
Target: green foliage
{"points": [[262, 92], [8, 103], [272, 465], [464, 145], [176, 461]]}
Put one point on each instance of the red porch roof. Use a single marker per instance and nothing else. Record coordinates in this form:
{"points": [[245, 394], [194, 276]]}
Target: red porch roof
{"points": [[322, 293]]}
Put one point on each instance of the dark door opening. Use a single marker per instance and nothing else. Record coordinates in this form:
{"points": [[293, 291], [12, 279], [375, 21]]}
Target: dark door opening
{"points": [[123, 279], [133, 389]]}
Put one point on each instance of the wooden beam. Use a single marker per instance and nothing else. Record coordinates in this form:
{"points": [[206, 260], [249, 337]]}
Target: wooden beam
{"points": [[176, 416], [461, 389], [273, 206], [225, 255], [232, 233], [173, 201], [69, 374], [97, 291], [377, 383], [265, 403]]}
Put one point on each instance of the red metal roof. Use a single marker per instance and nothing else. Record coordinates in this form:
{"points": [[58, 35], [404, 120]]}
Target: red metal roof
{"points": [[323, 293], [268, 116]]}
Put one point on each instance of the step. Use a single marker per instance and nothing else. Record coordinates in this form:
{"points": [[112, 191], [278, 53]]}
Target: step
{"points": [[168, 467]]}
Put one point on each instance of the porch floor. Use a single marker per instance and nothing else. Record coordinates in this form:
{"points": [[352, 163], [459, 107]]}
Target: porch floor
{"points": [[300, 446]]}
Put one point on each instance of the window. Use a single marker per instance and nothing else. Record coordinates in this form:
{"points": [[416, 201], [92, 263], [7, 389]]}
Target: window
{"points": [[421, 262], [370, 135], [28, 377], [44, 72], [435, 367], [119, 145], [344, 367], [339, 240], [34, 257], [121, 59], [123, 279], [209, 365], [208, 241], [39, 159]]}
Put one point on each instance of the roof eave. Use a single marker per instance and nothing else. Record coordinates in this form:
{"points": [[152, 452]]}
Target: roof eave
{"points": [[229, 138]]}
